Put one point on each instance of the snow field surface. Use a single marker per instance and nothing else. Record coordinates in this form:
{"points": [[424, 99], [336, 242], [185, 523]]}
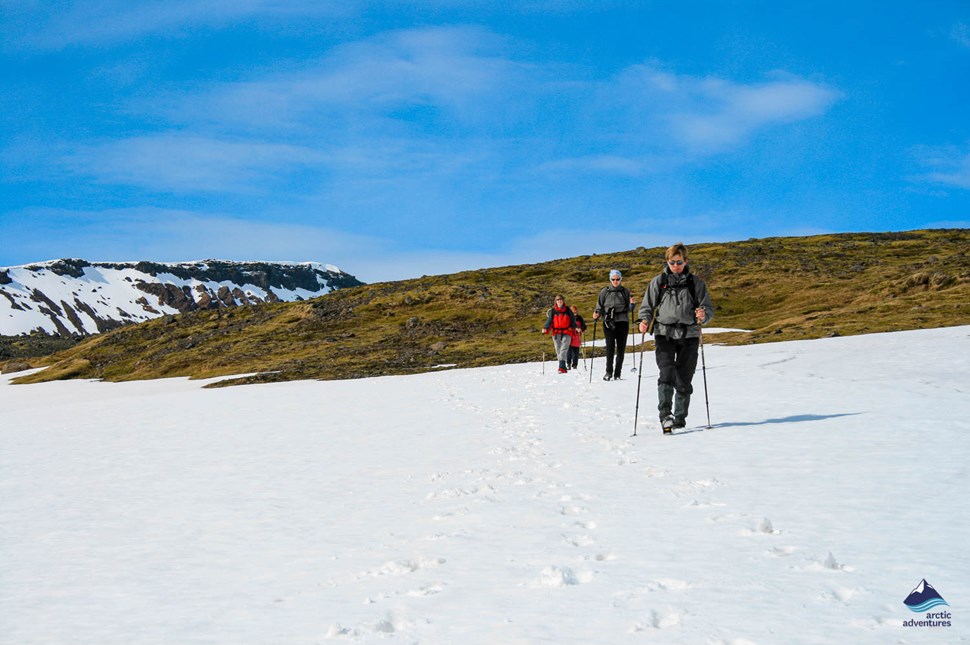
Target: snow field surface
{"points": [[496, 505]]}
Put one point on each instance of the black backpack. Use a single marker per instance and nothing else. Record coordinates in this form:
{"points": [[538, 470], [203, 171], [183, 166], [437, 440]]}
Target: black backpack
{"points": [[665, 288], [690, 288], [609, 316]]}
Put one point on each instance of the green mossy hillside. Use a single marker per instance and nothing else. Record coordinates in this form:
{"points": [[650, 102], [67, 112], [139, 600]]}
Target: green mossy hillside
{"points": [[777, 288]]}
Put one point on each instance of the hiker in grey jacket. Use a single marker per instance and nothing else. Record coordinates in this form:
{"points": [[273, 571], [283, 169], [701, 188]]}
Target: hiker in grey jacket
{"points": [[674, 307], [614, 305]]}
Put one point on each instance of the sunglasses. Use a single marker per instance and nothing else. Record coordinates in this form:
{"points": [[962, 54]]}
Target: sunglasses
{"points": [[675, 263], [614, 279]]}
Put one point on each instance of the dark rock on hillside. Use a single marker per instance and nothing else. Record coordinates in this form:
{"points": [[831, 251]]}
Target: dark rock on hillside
{"points": [[74, 296]]}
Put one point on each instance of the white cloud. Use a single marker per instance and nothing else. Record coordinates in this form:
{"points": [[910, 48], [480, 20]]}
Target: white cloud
{"points": [[447, 104], [961, 34], [42, 25], [711, 115], [646, 120], [370, 84], [947, 166], [606, 164], [188, 163], [401, 105], [163, 234]]}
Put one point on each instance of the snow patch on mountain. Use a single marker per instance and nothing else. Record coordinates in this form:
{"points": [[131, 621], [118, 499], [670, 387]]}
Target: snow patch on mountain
{"points": [[76, 297]]}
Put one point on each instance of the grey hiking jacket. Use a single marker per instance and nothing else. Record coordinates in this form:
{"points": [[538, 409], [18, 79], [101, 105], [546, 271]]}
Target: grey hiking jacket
{"points": [[675, 315], [618, 298]]}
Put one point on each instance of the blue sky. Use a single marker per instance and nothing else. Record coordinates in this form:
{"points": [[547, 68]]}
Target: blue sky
{"points": [[402, 139]]}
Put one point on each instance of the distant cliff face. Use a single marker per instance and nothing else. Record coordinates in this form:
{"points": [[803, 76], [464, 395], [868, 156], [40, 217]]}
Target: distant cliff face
{"points": [[76, 298]]}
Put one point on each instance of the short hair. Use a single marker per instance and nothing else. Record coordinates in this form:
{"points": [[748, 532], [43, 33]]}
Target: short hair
{"points": [[677, 249]]}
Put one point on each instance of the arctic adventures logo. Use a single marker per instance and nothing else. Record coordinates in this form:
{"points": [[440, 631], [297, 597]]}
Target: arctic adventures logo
{"points": [[922, 599]]}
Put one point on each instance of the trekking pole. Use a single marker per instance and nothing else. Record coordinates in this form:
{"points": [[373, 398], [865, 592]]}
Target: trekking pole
{"points": [[592, 352], [582, 350], [704, 373], [636, 413], [543, 362], [632, 338]]}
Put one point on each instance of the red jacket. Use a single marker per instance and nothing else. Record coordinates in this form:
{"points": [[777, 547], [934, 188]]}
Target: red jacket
{"points": [[577, 340], [560, 321]]}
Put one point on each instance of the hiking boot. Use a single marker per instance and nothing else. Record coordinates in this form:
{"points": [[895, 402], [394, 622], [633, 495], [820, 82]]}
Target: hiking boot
{"points": [[667, 423], [679, 423], [607, 377], [616, 376], [563, 370]]}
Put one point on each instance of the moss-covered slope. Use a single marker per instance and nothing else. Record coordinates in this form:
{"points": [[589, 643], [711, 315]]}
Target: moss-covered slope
{"points": [[779, 288]]}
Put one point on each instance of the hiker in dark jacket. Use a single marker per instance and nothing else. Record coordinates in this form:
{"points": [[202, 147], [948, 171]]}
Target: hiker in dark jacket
{"points": [[674, 307], [614, 305], [562, 325]]}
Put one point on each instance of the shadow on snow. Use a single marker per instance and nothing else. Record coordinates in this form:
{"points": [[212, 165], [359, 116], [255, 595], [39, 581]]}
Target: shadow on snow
{"points": [[792, 419]]}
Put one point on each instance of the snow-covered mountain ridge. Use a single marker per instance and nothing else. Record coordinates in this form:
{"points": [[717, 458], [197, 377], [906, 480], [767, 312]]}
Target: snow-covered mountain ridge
{"points": [[70, 297]]}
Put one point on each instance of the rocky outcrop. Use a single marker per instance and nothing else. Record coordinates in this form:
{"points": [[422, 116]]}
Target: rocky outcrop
{"points": [[74, 297]]}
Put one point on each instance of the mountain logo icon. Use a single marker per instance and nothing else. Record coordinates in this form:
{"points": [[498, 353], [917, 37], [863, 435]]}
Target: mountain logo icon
{"points": [[924, 597]]}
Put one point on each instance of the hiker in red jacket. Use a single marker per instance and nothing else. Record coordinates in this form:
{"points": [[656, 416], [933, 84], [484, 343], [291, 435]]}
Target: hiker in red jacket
{"points": [[577, 341], [562, 325]]}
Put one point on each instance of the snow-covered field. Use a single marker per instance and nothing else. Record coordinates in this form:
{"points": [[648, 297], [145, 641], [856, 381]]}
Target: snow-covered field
{"points": [[497, 505]]}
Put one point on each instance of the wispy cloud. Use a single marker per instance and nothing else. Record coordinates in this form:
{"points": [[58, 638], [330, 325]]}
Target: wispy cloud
{"points": [[404, 104], [600, 163], [129, 234], [960, 33], [183, 162], [434, 74], [125, 234], [947, 166], [705, 115], [437, 111], [40, 25]]}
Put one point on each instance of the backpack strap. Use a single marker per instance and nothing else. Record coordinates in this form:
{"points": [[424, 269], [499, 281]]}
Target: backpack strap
{"points": [[690, 288]]}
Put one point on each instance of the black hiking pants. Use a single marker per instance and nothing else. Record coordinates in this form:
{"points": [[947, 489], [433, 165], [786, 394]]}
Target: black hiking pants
{"points": [[615, 347], [573, 357], [677, 361]]}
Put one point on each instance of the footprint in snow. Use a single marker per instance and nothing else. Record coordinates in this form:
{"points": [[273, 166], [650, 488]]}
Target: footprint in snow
{"points": [[668, 584], [579, 540], [555, 577], [764, 527], [841, 594], [428, 590], [783, 551], [828, 563], [694, 503], [572, 510], [404, 567], [662, 619]]}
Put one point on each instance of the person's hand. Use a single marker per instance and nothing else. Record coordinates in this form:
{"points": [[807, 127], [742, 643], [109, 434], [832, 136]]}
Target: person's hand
{"points": [[596, 315], [643, 327], [545, 331], [700, 314]]}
